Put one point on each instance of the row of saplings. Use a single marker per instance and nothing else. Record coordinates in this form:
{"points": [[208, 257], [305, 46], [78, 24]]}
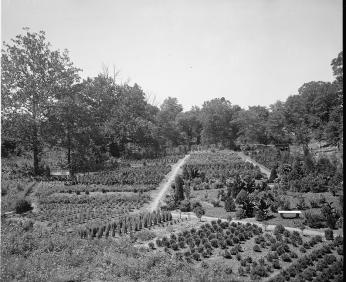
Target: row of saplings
{"points": [[195, 244], [126, 224], [320, 265]]}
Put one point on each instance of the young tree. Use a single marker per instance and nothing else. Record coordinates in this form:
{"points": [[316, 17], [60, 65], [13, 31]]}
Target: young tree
{"points": [[199, 212], [179, 189], [32, 78], [230, 204]]}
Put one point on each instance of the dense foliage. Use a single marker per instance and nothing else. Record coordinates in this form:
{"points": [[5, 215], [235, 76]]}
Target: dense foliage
{"points": [[96, 119]]}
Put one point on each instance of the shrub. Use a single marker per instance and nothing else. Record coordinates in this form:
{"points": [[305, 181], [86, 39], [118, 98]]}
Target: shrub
{"points": [[340, 251], [199, 211], [235, 240], [240, 214], [234, 251], [145, 235], [241, 271], [256, 248], [238, 256], [328, 233], [306, 245], [330, 214], [286, 233], [227, 254], [214, 243], [158, 243], [308, 274], [22, 206], [279, 229], [314, 220], [285, 204], [196, 256], [174, 246], [230, 204], [301, 205], [314, 204], [326, 249], [228, 270], [151, 245], [302, 250], [329, 259], [285, 257], [259, 271], [185, 206], [241, 237], [216, 203], [276, 264]]}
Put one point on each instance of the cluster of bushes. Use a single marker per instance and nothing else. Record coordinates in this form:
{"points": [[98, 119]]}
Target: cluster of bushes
{"points": [[127, 224], [300, 173], [78, 189], [149, 175], [319, 265], [195, 244], [328, 216], [217, 170]]}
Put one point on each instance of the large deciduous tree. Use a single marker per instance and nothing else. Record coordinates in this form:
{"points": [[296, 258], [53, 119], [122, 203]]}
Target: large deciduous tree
{"points": [[32, 78], [190, 126], [252, 124], [216, 117], [166, 120]]}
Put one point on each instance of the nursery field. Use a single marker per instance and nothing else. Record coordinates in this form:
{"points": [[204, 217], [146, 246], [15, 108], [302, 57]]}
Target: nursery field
{"points": [[245, 252], [108, 209]]}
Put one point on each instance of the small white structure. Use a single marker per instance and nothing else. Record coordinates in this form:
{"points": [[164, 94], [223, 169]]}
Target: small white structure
{"points": [[289, 214]]}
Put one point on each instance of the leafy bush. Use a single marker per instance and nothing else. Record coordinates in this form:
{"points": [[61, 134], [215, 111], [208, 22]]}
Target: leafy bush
{"points": [[314, 220], [214, 243], [256, 248], [340, 251], [228, 270], [276, 264], [185, 206], [196, 256], [301, 205], [22, 206], [230, 204], [145, 235], [330, 214], [227, 254], [279, 229], [328, 233], [314, 204], [151, 245], [285, 257], [241, 197], [240, 214], [216, 203]]}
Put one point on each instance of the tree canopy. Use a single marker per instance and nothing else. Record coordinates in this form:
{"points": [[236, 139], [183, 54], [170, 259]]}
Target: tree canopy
{"points": [[45, 103]]}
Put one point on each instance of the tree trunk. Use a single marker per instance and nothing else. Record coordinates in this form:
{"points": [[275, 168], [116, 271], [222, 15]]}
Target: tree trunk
{"points": [[35, 137], [68, 148]]}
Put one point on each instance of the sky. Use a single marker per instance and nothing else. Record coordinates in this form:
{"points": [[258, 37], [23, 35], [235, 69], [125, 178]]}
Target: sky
{"points": [[252, 52]]}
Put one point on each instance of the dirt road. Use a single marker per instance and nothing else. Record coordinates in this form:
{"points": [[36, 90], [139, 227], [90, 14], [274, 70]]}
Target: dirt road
{"points": [[246, 158], [166, 184]]}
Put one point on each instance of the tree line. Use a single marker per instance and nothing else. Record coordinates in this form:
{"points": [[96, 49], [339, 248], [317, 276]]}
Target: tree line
{"points": [[44, 102]]}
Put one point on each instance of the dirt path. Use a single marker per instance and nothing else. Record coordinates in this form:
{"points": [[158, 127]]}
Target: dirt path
{"points": [[166, 184], [246, 158], [309, 232]]}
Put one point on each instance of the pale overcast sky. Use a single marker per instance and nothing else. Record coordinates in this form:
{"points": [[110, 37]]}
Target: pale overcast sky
{"points": [[252, 52]]}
